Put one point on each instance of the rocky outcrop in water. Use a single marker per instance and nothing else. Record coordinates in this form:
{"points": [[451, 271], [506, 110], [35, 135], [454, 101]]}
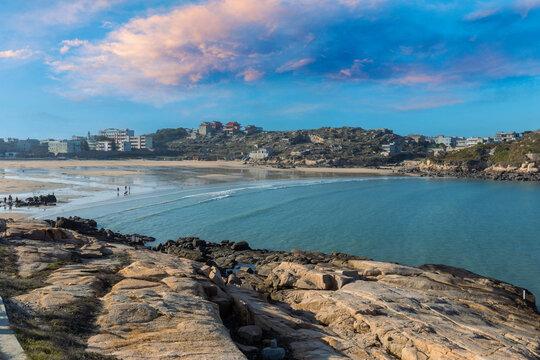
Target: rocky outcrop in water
{"points": [[35, 201], [93, 298], [89, 227]]}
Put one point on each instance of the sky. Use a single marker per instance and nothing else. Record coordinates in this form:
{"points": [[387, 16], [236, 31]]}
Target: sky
{"points": [[461, 68]]}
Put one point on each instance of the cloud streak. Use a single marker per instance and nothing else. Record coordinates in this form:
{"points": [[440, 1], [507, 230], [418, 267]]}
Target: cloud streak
{"points": [[67, 12]]}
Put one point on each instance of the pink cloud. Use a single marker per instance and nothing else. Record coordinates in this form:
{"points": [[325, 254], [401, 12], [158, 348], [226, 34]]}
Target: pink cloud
{"points": [[418, 78], [525, 6], [428, 104], [353, 72], [195, 43], [251, 74]]}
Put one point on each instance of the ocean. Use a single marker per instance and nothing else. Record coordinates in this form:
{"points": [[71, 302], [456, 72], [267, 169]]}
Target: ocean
{"points": [[490, 228]]}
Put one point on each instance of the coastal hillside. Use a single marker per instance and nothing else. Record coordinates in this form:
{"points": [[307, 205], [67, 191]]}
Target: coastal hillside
{"points": [[346, 146], [526, 149], [73, 291], [511, 161]]}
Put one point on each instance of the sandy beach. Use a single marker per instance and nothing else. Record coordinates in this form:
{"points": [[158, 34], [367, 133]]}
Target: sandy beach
{"points": [[70, 164]]}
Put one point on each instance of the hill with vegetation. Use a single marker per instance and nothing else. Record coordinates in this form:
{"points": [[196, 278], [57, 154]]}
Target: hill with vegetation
{"points": [[502, 154], [346, 146]]}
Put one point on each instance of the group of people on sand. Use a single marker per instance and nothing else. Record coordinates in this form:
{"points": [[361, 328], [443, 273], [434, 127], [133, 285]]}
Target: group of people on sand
{"points": [[127, 191], [8, 201]]}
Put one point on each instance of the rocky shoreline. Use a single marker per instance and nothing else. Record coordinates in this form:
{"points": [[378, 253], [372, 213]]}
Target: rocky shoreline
{"points": [[527, 172], [474, 174], [74, 291]]}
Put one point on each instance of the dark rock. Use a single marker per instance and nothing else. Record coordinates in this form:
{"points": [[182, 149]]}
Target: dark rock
{"points": [[250, 351], [240, 246], [198, 243], [251, 333]]}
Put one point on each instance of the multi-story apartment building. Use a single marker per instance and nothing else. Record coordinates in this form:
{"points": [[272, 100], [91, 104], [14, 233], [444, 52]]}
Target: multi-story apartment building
{"points": [[123, 146], [141, 142], [506, 136], [121, 140], [104, 146], [118, 135], [449, 141]]}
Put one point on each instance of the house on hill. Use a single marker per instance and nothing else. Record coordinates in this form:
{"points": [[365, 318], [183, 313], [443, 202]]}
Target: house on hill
{"points": [[232, 127], [252, 129], [207, 128]]}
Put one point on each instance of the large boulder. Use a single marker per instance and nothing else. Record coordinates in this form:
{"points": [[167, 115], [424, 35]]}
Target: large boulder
{"points": [[291, 275], [240, 246]]}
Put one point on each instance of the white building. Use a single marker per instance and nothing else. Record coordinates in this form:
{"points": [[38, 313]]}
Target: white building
{"points": [[64, 147], [262, 153], [104, 146], [461, 144], [472, 141], [118, 135]]}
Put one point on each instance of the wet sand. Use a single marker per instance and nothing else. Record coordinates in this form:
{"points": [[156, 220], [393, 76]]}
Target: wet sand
{"points": [[14, 186]]}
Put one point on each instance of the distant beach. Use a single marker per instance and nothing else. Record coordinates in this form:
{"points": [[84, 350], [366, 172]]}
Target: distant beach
{"points": [[97, 180]]}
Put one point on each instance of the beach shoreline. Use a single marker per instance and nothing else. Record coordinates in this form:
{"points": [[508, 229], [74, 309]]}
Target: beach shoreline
{"points": [[57, 175]]}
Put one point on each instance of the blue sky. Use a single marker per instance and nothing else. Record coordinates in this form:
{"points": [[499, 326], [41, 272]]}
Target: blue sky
{"points": [[453, 67]]}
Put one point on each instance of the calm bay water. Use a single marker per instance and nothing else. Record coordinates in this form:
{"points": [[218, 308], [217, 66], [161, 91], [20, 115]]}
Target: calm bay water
{"points": [[491, 228]]}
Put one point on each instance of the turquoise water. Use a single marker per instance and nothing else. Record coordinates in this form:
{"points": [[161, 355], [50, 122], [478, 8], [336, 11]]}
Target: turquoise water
{"points": [[491, 228]]}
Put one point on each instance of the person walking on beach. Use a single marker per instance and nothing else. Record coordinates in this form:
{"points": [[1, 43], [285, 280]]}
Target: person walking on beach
{"points": [[10, 198], [117, 191]]}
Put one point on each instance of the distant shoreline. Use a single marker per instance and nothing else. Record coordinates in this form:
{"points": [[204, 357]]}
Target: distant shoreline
{"points": [[58, 164]]}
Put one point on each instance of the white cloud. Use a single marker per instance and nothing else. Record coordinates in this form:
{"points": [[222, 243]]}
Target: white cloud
{"points": [[294, 65], [68, 12], [16, 54], [68, 44]]}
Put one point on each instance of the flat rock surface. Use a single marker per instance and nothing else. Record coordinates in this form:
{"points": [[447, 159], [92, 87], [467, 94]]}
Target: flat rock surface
{"points": [[156, 305]]}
